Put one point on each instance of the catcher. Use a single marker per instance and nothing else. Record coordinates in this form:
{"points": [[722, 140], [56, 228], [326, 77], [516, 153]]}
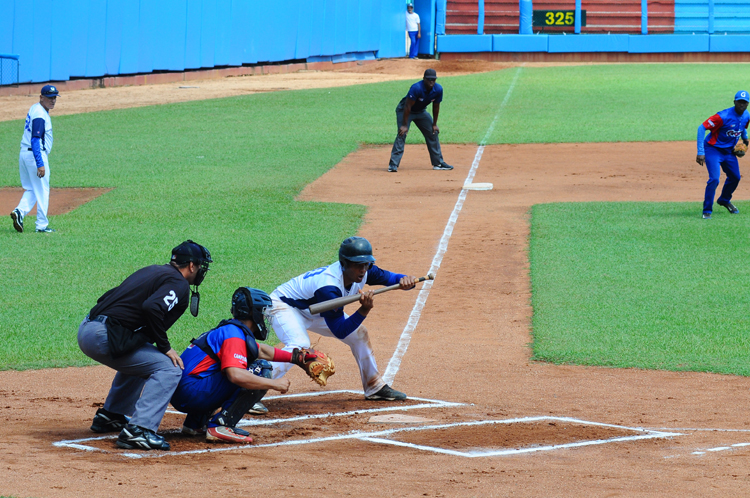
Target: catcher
{"points": [[291, 318], [722, 148], [227, 370]]}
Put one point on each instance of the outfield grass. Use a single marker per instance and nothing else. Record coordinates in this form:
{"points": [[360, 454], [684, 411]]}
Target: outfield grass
{"points": [[225, 172], [646, 285]]}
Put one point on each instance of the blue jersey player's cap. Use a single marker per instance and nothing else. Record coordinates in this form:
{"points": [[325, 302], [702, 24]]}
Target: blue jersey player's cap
{"points": [[50, 91], [742, 95], [430, 74]]}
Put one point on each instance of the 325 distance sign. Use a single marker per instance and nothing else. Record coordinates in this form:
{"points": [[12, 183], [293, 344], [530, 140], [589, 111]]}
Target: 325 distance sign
{"points": [[549, 18]]}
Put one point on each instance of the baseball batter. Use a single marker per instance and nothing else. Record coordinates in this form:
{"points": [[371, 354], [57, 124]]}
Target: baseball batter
{"points": [[726, 128], [291, 319], [33, 162], [413, 107]]}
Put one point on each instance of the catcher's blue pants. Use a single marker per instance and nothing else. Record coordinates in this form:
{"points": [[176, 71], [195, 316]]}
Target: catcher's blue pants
{"points": [[200, 397], [716, 161], [423, 120]]}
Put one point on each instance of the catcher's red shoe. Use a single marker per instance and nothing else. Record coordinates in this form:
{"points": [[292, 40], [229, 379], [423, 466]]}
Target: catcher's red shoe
{"points": [[224, 434]]}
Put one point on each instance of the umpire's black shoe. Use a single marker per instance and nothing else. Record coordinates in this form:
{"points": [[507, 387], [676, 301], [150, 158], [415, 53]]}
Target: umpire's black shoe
{"points": [[134, 437], [106, 421], [387, 393], [730, 207]]}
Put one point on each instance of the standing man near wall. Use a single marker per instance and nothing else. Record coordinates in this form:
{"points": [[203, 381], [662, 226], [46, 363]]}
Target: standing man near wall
{"points": [[413, 107], [414, 28], [726, 127], [33, 164]]}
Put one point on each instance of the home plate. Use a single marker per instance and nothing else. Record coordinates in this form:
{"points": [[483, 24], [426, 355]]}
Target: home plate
{"points": [[397, 418], [478, 186]]}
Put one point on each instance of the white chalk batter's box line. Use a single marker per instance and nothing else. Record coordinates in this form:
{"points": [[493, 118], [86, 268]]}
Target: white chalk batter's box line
{"points": [[380, 436]]}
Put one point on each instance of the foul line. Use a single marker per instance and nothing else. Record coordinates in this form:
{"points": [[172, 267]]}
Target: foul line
{"points": [[416, 312]]}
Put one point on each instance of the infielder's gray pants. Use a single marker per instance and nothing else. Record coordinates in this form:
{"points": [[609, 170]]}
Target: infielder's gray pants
{"points": [[423, 120], [145, 379]]}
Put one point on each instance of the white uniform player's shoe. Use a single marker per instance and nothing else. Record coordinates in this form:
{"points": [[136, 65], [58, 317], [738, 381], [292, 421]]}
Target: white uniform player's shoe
{"points": [[387, 393], [45, 230], [258, 409], [17, 220]]}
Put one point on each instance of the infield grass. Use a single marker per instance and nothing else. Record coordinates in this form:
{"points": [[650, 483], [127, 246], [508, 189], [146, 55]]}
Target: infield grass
{"points": [[225, 173]]}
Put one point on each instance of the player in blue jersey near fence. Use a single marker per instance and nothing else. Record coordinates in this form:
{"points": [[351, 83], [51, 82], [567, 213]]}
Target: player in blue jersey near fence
{"points": [[726, 128], [413, 107]]}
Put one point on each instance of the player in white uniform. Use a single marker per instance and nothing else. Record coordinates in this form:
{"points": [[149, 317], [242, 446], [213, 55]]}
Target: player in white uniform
{"points": [[291, 318], [33, 164]]}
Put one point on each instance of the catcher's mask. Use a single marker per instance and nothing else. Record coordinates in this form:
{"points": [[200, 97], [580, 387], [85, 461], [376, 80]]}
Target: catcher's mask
{"points": [[357, 250], [192, 252], [252, 304]]}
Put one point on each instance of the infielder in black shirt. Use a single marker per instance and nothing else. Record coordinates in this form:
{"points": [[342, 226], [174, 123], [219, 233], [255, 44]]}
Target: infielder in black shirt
{"points": [[120, 332]]}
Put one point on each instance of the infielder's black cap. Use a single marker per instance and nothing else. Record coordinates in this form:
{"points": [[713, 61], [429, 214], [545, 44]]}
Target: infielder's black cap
{"points": [[50, 91], [430, 74]]}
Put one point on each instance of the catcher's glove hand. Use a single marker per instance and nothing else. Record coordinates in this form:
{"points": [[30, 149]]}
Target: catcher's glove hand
{"points": [[740, 149], [315, 363]]}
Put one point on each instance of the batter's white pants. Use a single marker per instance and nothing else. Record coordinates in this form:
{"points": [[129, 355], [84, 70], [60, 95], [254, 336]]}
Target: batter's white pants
{"points": [[36, 190], [291, 326]]}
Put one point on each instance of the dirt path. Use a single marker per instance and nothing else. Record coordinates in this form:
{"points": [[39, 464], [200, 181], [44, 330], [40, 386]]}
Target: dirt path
{"points": [[470, 346]]}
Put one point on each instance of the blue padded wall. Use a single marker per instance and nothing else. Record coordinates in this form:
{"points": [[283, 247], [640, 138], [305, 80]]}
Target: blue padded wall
{"points": [[589, 43], [95, 38], [520, 43]]}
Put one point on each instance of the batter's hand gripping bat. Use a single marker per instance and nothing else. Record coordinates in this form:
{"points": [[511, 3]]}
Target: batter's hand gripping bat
{"points": [[342, 301]]}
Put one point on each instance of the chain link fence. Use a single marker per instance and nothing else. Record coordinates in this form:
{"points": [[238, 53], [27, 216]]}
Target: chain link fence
{"points": [[9, 73]]}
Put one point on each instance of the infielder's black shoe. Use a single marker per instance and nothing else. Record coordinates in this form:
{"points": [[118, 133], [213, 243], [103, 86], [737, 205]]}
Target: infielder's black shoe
{"points": [[706, 216], [730, 207], [106, 421], [392, 169], [17, 220], [134, 437], [443, 166], [387, 393]]}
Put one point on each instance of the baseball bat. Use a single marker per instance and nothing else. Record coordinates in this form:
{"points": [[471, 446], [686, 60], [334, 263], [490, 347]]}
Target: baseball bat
{"points": [[342, 301]]}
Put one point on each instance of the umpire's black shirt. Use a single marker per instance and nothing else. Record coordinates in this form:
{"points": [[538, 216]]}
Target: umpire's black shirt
{"points": [[151, 299]]}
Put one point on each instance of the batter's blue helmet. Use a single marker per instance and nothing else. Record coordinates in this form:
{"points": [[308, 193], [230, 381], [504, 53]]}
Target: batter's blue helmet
{"points": [[356, 250]]}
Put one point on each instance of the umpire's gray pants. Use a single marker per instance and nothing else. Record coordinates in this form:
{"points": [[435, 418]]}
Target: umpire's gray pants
{"points": [[145, 381], [423, 120]]}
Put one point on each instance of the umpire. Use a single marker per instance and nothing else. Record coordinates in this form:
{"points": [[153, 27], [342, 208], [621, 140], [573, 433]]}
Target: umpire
{"points": [[413, 107], [120, 332]]}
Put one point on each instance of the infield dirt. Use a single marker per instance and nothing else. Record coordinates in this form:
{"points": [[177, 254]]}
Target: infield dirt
{"points": [[471, 346]]}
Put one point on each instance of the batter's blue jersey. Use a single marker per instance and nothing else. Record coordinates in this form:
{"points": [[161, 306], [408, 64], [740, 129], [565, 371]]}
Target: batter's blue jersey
{"points": [[726, 128], [422, 96]]}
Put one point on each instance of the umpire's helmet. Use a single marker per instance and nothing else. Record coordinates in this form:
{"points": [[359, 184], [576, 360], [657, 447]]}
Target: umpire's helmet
{"points": [[190, 251], [356, 250], [252, 304]]}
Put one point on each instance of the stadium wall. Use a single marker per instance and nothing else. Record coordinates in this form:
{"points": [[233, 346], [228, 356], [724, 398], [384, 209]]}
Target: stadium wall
{"points": [[94, 39]]}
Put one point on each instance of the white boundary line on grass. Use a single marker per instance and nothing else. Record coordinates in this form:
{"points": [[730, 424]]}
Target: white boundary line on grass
{"points": [[416, 312]]}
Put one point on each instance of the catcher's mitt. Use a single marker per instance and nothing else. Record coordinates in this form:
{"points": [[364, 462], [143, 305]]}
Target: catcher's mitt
{"points": [[316, 363], [740, 149]]}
